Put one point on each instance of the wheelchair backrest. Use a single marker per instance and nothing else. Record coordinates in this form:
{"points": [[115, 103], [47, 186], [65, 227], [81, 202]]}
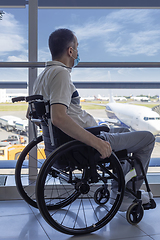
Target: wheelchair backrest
{"points": [[41, 109]]}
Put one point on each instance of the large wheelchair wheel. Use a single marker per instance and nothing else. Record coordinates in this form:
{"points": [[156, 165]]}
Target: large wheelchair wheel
{"points": [[25, 180], [65, 196]]}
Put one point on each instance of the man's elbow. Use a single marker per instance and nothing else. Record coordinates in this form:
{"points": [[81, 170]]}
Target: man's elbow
{"points": [[58, 115], [57, 121]]}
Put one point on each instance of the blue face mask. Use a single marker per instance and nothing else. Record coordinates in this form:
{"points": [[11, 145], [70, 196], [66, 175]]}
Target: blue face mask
{"points": [[76, 60]]}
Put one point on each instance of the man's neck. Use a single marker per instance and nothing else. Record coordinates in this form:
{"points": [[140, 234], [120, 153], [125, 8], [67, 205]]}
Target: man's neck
{"points": [[64, 60]]}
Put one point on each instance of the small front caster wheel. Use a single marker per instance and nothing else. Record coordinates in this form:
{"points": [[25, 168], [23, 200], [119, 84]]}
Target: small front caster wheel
{"points": [[135, 213], [101, 196]]}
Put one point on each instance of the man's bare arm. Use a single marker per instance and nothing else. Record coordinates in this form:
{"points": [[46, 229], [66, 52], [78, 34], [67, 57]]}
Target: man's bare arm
{"points": [[61, 120]]}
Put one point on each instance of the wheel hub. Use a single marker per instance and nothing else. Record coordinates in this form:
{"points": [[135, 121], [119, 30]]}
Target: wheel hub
{"points": [[84, 188]]}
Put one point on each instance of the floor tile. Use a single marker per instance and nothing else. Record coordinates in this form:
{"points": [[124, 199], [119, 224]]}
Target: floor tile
{"points": [[51, 232], [12, 208], [21, 227], [137, 238], [117, 228], [150, 223], [120, 228], [19, 221], [155, 237]]}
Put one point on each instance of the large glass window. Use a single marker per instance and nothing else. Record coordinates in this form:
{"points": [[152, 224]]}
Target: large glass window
{"points": [[104, 35], [14, 39], [13, 123]]}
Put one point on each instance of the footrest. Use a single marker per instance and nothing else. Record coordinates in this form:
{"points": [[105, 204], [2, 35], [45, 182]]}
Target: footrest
{"points": [[150, 205]]}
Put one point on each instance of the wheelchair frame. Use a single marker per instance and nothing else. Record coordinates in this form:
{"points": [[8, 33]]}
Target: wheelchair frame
{"points": [[100, 171]]}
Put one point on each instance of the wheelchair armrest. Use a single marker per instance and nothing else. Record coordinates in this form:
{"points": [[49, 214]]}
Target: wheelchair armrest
{"points": [[96, 130], [27, 99], [18, 99], [34, 97]]}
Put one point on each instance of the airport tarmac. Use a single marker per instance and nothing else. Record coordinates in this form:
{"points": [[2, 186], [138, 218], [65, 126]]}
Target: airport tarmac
{"points": [[97, 113], [21, 114]]}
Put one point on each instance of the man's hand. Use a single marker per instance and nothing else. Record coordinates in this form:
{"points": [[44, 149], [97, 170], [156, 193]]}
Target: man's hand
{"points": [[104, 148]]}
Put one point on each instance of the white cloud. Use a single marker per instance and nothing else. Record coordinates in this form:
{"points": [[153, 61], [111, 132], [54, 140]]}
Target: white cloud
{"points": [[138, 16], [10, 42], [97, 29], [19, 58], [142, 42], [124, 32], [11, 35]]}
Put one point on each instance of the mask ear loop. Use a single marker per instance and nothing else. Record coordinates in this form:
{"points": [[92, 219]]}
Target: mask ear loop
{"points": [[75, 51], [77, 59]]}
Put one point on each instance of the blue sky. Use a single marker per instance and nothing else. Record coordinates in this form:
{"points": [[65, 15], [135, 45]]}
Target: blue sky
{"points": [[104, 35]]}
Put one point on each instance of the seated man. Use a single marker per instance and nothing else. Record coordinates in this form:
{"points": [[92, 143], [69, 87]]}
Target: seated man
{"points": [[55, 84]]}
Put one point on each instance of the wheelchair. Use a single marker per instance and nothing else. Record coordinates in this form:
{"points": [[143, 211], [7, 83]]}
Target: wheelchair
{"points": [[73, 187]]}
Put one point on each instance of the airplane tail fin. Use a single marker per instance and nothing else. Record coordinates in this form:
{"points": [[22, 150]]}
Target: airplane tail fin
{"points": [[111, 99]]}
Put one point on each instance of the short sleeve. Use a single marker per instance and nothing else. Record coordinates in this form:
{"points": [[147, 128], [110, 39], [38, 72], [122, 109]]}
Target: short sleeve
{"points": [[60, 88]]}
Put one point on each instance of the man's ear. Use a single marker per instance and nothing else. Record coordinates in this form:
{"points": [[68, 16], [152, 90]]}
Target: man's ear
{"points": [[70, 51]]}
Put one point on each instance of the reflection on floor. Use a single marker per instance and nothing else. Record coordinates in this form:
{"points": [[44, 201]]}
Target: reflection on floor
{"points": [[19, 221]]}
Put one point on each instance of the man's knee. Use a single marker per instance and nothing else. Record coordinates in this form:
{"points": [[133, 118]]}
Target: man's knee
{"points": [[150, 137]]}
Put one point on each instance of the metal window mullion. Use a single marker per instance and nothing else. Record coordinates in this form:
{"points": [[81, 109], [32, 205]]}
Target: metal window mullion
{"points": [[32, 48], [35, 64]]}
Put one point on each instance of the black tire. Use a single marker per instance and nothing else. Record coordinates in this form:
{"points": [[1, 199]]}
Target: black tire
{"points": [[62, 194], [101, 195], [26, 182], [135, 213]]}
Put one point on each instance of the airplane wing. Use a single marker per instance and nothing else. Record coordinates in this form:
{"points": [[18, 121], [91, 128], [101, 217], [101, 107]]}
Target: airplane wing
{"points": [[98, 104], [107, 120]]}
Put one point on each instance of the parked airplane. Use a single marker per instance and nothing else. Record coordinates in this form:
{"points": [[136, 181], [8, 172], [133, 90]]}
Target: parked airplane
{"points": [[133, 116], [120, 98], [89, 98], [142, 99], [107, 98], [101, 98]]}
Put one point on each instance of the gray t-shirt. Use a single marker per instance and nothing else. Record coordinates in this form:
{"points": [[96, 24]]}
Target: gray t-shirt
{"points": [[55, 84]]}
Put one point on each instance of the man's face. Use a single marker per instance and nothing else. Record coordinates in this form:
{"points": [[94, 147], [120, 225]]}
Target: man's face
{"points": [[75, 47], [73, 51]]}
